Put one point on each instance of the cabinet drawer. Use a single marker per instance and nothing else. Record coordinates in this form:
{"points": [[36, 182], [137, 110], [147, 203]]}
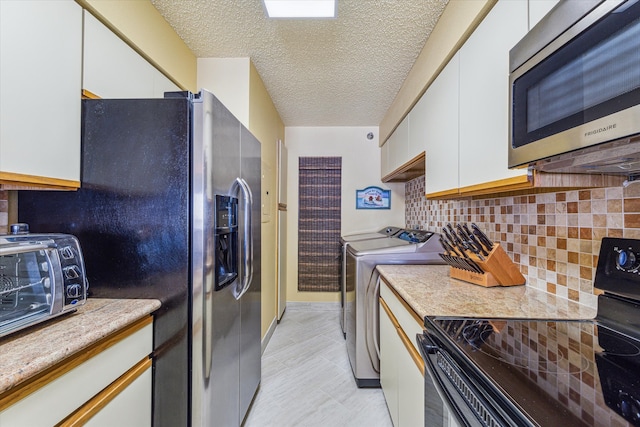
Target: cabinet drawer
{"points": [[126, 402], [67, 386], [409, 321]]}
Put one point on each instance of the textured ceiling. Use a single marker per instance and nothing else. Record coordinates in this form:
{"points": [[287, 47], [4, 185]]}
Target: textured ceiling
{"points": [[331, 72]]}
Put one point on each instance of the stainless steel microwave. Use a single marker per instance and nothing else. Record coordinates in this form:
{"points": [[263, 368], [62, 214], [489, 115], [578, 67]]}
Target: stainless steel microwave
{"points": [[575, 90]]}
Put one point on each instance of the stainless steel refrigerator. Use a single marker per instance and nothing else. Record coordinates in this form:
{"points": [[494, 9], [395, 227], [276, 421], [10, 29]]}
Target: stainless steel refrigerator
{"points": [[170, 208]]}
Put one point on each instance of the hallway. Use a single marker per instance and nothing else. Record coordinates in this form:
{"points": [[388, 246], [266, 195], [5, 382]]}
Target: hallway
{"points": [[306, 376]]}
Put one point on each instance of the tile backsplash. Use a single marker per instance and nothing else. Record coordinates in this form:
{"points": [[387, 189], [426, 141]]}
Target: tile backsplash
{"points": [[553, 237]]}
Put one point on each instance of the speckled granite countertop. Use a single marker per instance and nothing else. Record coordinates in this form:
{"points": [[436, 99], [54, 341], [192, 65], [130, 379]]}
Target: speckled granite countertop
{"points": [[430, 291], [28, 352]]}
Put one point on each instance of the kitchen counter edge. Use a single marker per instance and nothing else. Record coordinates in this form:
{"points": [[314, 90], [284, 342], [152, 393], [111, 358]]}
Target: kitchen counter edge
{"points": [[429, 291], [27, 353]]}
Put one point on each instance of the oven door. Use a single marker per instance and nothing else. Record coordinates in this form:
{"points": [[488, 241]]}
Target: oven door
{"points": [[467, 398], [441, 408], [30, 285]]}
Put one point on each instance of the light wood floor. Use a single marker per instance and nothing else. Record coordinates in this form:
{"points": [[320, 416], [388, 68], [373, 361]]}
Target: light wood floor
{"points": [[306, 377]]}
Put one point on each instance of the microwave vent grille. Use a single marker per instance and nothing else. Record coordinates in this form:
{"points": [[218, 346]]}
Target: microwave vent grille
{"points": [[620, 157]]}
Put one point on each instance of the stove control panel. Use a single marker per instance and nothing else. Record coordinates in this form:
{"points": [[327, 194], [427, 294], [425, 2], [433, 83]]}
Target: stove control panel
{"points": [[618, 268], [627, 259]]}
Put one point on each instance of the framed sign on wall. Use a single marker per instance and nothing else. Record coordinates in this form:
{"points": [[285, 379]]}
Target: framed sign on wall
{"points": [[373, 198]]}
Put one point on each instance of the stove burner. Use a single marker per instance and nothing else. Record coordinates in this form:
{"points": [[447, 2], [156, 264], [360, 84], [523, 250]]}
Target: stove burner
{"points": [[477, 333], [619, 348]]}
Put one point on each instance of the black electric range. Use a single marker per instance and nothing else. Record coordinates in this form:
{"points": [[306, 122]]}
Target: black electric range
{"points": [[522, 372]]}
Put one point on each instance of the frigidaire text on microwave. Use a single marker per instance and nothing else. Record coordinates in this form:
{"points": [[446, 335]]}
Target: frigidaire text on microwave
{"points": [[575, 90]]}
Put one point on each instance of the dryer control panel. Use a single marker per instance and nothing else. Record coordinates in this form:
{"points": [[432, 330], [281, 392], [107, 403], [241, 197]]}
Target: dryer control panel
{"points": [[414, 236]]}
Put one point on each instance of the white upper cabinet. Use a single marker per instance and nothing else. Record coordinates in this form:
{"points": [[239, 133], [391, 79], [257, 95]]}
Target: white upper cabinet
{"points": [[112, 69], [417, 137], [398, 151], [440, 118], [384, 159], [395, 151], [40, 83], [484, 95], [538, 9], [462, 119]]}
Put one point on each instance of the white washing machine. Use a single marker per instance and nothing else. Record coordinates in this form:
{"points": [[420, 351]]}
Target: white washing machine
{"points": [[362, 293], [345, 241]]}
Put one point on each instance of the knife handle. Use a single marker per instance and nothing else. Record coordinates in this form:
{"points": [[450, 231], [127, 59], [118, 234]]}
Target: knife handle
{"points": [[488, 244]]}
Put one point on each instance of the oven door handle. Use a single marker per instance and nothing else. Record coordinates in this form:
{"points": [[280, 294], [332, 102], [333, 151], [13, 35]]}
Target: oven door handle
{"points": [[429, 350], [21, 249], [426, 345]]}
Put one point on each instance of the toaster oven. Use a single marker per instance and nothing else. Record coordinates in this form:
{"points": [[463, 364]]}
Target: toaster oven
{"points": [[41, 276]]}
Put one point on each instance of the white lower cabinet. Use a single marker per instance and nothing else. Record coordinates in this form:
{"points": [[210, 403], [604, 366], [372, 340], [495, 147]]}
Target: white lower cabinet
{"points": [[401, 365], [390, 347], [130, 407], [107, 384]]}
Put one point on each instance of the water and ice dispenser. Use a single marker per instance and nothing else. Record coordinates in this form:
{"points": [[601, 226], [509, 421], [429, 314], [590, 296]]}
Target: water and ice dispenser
{"points": [[226, 241]]}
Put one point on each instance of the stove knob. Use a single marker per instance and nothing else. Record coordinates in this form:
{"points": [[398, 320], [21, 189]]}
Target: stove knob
{"points": [[627, 260], [74, 291]]}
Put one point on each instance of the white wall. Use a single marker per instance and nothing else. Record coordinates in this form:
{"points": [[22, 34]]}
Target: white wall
{"points": [[360, 169], [228, 79]]}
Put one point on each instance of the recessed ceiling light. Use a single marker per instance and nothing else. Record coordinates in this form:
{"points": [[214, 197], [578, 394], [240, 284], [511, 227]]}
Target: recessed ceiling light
{"points": [[300, 8]]}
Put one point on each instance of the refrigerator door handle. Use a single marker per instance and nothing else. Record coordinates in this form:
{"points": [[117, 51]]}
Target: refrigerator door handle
{"points": [[247, 236], [207, 316]]}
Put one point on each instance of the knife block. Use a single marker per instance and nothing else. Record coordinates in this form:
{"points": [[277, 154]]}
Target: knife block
{"points": [[498, 269]]}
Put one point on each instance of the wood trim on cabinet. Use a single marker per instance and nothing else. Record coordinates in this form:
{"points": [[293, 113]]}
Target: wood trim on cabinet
{"points": [[19, 181], [445, 194], [507, 184], [31, 385], [536, 182], [417, 358], [83, 414], [408, 171], [87, 94]]}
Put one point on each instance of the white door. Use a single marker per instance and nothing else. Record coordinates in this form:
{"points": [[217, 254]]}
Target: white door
{"points": [[282, 228]]}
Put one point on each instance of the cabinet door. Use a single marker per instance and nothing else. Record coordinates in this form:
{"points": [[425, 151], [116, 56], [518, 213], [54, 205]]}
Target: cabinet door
{"points": [[484, 94], [398, 154], [441, 103], [57, 399], [411, 387], [131, 407], [384, 159], [40, 83], [417, 129], [390, 348], [112, 69]]}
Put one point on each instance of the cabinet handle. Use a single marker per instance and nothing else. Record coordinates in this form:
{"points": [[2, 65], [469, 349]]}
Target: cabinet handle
{"points": [[417, 358], [83, 414]]}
